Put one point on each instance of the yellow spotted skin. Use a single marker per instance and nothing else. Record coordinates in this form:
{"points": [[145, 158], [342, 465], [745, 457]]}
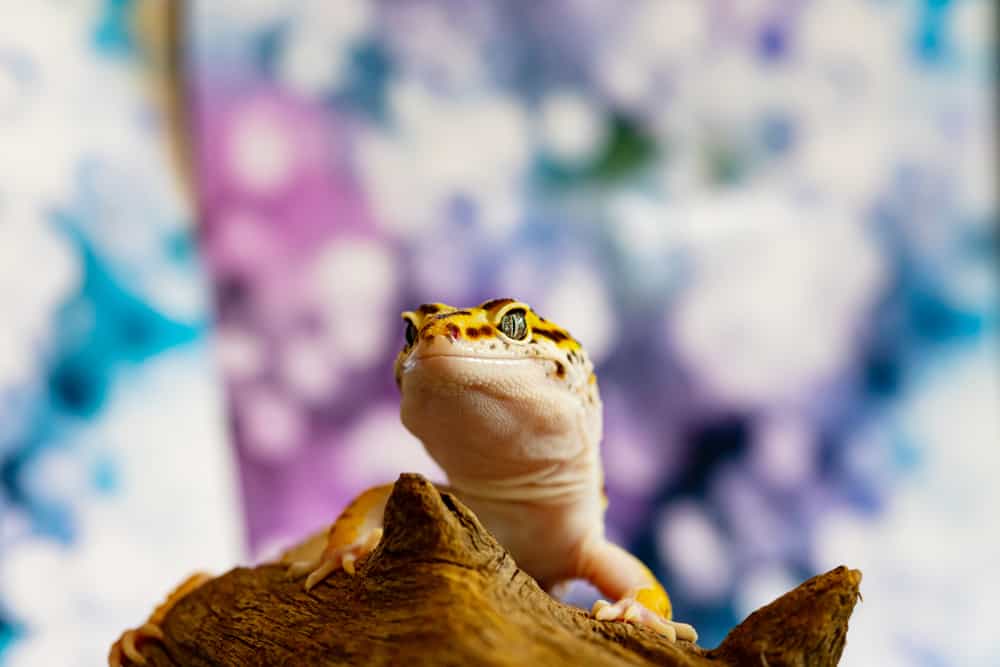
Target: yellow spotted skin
{"points": [[481, 326], [482, 322], [655, 597]]}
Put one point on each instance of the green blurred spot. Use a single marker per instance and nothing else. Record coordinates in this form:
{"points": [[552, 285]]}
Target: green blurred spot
{"points": [[626, 152]]}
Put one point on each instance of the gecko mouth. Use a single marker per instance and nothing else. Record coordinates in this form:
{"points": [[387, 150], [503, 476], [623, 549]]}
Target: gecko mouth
{"points": [[443, 359]]}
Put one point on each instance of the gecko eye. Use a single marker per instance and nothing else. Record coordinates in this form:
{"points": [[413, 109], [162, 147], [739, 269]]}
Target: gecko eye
{"points": [[411, 333], [514, 325]]}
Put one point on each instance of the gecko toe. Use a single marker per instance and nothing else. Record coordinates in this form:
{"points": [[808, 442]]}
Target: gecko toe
{"points": [[321, 572], [630, 610]]}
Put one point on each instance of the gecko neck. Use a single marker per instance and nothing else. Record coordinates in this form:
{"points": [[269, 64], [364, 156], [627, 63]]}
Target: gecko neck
{"points": [[551, 483]]}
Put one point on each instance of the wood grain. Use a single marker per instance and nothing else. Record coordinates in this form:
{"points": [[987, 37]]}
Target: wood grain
{"points": [[440, 590]]}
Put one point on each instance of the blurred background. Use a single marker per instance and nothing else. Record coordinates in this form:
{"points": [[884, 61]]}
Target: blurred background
{"points": [[772, 224]]}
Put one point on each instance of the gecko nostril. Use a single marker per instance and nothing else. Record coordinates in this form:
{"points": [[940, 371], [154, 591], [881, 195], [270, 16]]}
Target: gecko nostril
{"points": [[453, 331]]}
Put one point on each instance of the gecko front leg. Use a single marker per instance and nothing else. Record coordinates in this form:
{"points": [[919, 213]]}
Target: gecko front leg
{"points": [[354, 534], [640, 597], [126, 649]]}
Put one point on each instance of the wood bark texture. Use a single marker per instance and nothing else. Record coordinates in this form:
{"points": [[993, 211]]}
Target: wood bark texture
{"points": [[440, 590]]}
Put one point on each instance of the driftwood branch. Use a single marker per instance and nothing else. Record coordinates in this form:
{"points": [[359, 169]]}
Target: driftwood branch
{"points": [[439, 590]]}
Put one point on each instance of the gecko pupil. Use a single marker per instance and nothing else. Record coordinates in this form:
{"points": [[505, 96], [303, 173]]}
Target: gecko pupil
{"points": [[411, 333], [513, 324]]}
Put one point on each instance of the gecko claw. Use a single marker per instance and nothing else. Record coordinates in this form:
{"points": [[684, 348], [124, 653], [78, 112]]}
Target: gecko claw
{"points": [[321, 572], [152, 631], [126, 649], [598, 607], [347, 562], [300, 568], [130, 650]]}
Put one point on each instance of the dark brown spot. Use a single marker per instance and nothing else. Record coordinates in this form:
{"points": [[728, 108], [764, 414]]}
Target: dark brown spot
{"points": [[486, 330], [560, 369], [428, 308], [472, 332], [428, 337], [453, 331], [495, 303], [446, 315], [554, 334]]}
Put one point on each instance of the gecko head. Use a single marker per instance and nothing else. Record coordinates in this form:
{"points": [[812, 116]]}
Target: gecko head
{"points": [[495, 380]]}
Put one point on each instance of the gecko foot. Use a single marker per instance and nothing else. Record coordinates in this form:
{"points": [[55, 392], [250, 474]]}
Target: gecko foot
{"points": [[630, 610], [126, 650], [335, 558]]}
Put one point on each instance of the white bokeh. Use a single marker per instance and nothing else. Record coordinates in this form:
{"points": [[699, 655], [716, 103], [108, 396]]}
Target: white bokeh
{"points": [[273, 426], [690, 543], [343, 274], [769, 297], [316, 57], [644, 229], [973, 32], [309, 369], [653, 42], [931, 553], [442, 45], [784, 449], [571, 126], [55, 120], [244, 238], [636, 460], [262, 153], [411, 193], [240, 353]]}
